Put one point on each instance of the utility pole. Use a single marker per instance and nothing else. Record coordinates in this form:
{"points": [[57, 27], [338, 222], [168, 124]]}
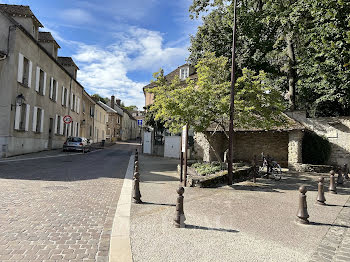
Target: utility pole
{"points": [[232, 97]]}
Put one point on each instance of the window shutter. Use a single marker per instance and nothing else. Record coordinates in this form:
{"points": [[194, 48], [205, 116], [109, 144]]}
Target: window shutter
{"points": [[66, 98], [17, 117], [75, 104], [42, 121], [71, 101], [30, 74], [74, 128], [20, 68], [78, 106], [56, 89], [27, 118], [56, 120], [62, 95], [44, 85], [35, 112], [51, 87], [61, 126], [78, 131], [37, 79], [69, 129]]}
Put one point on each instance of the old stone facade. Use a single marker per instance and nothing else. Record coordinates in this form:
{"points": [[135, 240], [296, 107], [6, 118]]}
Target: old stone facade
{"points": [[100, 123], [114, 123], [38, 87], [87, 122]]}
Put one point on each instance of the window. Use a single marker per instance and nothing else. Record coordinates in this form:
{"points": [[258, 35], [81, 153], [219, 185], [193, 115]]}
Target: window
{"points": [[38, 119], [53, 89], [40, 84], [24, 75], [184, 73], [77, 129], [83, 107], [58, 125], [118, 119], [22, 117], [90, 131], [73, 102], [91, 111], [64, 96]]}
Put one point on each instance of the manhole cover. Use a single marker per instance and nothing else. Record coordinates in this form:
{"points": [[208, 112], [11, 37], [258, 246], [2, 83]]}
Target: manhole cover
{"points": [[56, 187]]}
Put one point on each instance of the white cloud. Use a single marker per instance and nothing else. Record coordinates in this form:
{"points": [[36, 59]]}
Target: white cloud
{"points": [[77, 16], [104, 70]]}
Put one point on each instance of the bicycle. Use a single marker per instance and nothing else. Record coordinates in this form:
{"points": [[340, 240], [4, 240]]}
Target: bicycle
{"points": [[270, 167]]}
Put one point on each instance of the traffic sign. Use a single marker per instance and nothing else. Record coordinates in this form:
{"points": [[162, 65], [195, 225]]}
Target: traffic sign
{"points": [[67, 119], [139, 122]]}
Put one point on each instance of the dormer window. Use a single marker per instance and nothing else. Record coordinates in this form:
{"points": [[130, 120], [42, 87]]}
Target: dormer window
{"points": [[184, 72]]}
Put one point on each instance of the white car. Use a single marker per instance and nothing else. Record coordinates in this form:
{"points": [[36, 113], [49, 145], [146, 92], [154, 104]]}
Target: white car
{"points": [[77, 144]]}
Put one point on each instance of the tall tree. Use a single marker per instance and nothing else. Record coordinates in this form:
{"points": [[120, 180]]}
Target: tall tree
{"points": [[206, 102]]}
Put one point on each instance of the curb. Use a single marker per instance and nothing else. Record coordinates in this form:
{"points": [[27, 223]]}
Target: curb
{"points": [[120, 246]]}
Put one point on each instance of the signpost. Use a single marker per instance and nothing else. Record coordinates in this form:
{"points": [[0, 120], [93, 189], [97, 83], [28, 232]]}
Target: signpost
{"points": [[139, 122], [67, 119], [184, 138]]}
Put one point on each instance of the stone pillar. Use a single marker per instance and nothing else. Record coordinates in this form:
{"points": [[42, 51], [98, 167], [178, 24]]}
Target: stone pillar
{"points": [[295, 149]]}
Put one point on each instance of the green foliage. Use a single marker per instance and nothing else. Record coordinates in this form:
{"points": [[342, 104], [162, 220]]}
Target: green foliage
{"points": [[317, 30], [206, 101], [206, 168], [316, 149], [97, 97], [131, 108]]}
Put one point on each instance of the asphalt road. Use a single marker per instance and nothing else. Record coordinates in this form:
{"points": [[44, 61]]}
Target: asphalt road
{"points": [[60, 208]]}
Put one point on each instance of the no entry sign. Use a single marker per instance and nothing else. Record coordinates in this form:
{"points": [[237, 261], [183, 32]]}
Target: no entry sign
{"points": [[67, 119]]}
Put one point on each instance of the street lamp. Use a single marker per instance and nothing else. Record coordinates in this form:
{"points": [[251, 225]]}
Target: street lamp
{"points": [[232, 97]]}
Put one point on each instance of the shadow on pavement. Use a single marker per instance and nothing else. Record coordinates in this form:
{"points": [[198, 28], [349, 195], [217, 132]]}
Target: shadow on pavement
{"points": [[327, 224], [157, 204], [210, 228]]}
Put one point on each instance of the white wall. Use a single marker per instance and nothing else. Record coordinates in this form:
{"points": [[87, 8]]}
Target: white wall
{"points": [[172, 146]]}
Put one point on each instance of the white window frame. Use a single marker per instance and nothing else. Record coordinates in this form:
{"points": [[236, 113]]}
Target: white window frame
{"points": [[40, 88], [19, 117]]}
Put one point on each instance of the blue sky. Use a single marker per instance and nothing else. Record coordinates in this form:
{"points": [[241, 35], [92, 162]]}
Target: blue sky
{"points": [[118, 44]]}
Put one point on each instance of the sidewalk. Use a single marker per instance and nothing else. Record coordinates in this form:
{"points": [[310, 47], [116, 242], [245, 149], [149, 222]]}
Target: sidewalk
{"points": [[245, 222]]}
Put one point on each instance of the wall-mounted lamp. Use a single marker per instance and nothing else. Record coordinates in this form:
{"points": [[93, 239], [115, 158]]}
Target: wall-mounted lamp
{"points": [[19, 101]]}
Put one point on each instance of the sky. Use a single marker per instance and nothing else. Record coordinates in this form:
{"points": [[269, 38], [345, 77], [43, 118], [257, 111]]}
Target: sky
{"points": [[118, 44]]}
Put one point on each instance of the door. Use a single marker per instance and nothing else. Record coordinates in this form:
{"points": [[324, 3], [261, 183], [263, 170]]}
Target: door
{"points": [[172, 146], [50, 133], [147, 142]]}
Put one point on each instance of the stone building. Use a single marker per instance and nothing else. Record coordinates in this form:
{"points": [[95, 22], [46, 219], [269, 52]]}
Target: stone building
{"points": [[100, 123], [87, 122], [37, 91], [114, 122]]}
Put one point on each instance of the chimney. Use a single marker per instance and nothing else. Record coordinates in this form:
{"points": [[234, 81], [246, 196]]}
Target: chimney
{"points": [[112, 101], [118, 102]]}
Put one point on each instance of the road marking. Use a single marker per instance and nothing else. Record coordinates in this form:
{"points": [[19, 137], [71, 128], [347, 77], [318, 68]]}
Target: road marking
{"points": [[120, 246], [43, 157]]}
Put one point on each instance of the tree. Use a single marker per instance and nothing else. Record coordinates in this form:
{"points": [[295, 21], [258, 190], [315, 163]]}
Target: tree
{"points": [[206, 102], [97, 97], [131, 108], [303, 46]]}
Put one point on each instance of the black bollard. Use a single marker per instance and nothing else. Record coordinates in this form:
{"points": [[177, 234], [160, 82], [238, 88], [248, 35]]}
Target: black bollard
{"points": [[320, 197], [136, 168], [136, 158], [332, 187], [136, 194], [340, 178], [345, 171], [179, 220], [302, 215]]}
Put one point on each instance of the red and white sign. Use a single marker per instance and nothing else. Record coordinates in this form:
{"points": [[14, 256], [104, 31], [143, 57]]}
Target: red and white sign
{"points": [[67, 119]]}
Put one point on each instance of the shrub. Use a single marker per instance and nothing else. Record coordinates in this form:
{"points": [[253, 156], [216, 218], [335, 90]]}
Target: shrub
{"points": [[316, 149], [206, 168]]}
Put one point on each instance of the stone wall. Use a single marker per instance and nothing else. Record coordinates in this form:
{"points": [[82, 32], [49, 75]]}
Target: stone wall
{"points": [[245, 146], [335, 129]]}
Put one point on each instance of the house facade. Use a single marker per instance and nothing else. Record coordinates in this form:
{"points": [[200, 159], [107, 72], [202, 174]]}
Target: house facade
{"points": [[114, 123], [38, 88], [100, 123]]}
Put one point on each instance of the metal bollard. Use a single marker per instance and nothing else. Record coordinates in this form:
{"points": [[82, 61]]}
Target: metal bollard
{"points": [[179, 220], [320, 197], [332, 187], [302, 214], [136, 168], [136, 194], [345, 171], [136, 157], [340, 178]]}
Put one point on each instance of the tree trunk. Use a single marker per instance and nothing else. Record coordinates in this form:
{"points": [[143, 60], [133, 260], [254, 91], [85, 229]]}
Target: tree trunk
{"points": [[292, 74]]}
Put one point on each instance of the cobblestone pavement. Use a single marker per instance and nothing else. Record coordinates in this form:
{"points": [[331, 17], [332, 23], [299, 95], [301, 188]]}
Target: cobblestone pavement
{"points": [[335, 246], [60, 209]]}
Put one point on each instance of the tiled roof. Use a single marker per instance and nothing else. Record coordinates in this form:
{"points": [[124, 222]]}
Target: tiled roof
{"points": [[66, 61], [47, 37], [288, 125], [169, 77], [20, 10]]}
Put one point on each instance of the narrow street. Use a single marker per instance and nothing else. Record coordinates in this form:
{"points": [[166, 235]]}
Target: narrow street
{"points": [[61, 208]]}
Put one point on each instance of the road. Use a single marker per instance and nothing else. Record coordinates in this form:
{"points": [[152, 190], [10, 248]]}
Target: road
{"points": [[60, 208]]}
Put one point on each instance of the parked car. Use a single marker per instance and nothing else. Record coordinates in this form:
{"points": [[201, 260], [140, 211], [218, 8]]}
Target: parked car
{"points": [[77, 144]]}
